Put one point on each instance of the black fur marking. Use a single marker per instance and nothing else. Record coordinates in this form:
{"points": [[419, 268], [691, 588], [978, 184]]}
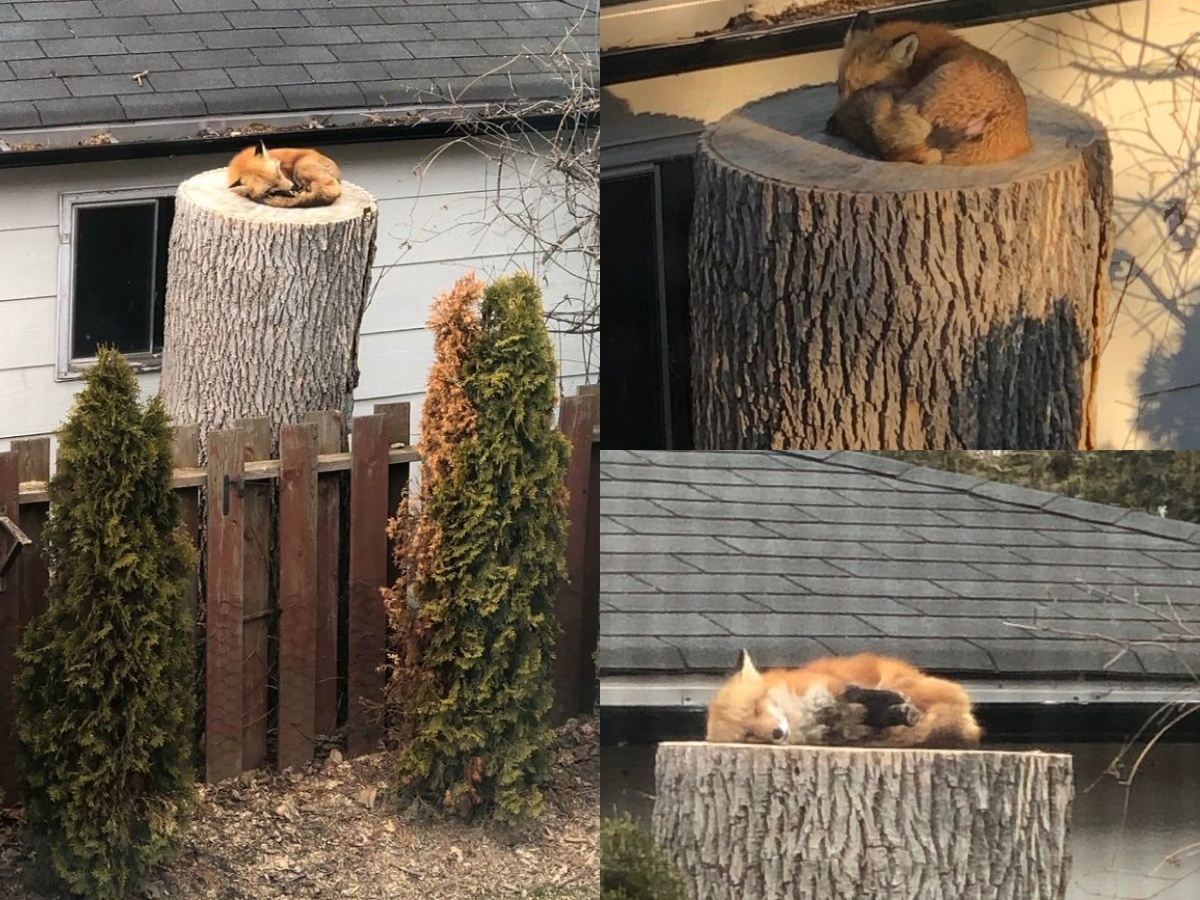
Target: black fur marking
{"points": [[949, 139], [864, 21], [883, 708]]}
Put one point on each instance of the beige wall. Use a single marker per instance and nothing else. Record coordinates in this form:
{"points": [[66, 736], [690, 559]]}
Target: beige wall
{"points": [[1128, 64]]}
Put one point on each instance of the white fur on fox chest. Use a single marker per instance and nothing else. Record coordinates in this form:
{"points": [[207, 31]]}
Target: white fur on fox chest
{"points": [[802, 712]]}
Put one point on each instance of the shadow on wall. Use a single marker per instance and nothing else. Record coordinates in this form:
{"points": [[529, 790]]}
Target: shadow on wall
{"points": [[1169, 385], [1156, 271], [624, 126]]}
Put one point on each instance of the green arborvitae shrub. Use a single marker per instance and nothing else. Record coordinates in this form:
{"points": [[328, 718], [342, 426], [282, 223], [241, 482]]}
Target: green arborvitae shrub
{"points": [[479, 735], [632, 866], [105, 685]]}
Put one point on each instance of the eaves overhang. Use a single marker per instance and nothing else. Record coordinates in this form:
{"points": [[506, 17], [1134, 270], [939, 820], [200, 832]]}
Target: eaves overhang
{"points": [[190, 136], [636, 63], [687, 691]]}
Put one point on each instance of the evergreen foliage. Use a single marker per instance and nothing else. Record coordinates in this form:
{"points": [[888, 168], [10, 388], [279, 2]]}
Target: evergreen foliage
{"points": [[483, 567], [1143, 480], [105, 685], [632, 866]]}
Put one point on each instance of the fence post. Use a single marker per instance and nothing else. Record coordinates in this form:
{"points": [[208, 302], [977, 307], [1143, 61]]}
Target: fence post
{"points": [[10, 630], [223, 605], [398, 432], [588, 683], [368, 573], [328, 578], [297, 592], [256, 596], [35, 577], [575, 421]]}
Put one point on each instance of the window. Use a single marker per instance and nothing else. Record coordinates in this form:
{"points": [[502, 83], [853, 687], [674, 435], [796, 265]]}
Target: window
{"points": [[645, 345], [113, 276]]}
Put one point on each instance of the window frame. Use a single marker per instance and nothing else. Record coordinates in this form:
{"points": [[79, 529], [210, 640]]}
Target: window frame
{"points": [[66, 368]]}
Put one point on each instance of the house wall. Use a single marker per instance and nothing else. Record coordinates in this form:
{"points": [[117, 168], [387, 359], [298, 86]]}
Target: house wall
{"points": [[1114, 853], [433, 227], [1132, 66]]}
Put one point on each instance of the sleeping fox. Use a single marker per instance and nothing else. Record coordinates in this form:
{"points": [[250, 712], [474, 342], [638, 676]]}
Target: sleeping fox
{"points": [[864, 700], [285, 177], [917, 92]]}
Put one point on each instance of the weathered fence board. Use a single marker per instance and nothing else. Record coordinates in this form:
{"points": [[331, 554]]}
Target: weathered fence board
{"points": [[576, 421], [10, 624], [328, 539], [590, 685], [297, 593], [186, 455], [223, 609], [256, 596], [367, 643], [398, 434], [34, 465], [328, 580]]}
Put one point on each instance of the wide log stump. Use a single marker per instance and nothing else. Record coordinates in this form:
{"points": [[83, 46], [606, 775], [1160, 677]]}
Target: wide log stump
{"points": [[842, 302], [264, 305], [839, 823]]}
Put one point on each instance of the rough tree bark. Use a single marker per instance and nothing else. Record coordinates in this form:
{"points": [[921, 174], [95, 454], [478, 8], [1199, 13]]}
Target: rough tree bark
{"points": [[842, 302], [838, 823], [264, 305]]}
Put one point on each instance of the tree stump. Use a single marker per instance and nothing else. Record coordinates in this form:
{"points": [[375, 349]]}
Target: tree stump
{"points": [[838, 301], [841, 823], [263, 305]]}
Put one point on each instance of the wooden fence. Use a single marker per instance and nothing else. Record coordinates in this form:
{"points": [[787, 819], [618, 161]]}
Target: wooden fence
{"points": [[291, 666]]}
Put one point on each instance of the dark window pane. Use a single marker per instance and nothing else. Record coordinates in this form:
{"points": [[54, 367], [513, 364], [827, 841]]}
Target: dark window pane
{"points": [[631, 340], [675, 178], [114, 278], [166, 215]]}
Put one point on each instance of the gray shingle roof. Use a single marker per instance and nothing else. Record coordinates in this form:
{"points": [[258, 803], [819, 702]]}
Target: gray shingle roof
{"points": [[795, 555], [69, 62]]}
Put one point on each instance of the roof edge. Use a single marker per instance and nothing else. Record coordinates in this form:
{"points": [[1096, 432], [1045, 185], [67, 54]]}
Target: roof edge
{"points": [[692, 691], [209, 134], [1013, 494]]}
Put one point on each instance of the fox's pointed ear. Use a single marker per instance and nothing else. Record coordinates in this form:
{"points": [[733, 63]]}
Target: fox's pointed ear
{"points": [[745, 666], [261, 149], [904, 51], [862, 23]]}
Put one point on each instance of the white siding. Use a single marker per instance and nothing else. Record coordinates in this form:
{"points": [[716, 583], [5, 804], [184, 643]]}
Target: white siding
{"points": [[435, 225], [1127, 64]]}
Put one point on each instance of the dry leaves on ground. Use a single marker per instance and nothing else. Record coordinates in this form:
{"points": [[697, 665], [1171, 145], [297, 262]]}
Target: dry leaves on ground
{"points": [[332, 830]]}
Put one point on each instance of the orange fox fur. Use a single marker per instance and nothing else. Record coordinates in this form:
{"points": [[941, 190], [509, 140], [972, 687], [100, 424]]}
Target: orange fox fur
{"points": [[814, 705], [285, 177], [917, 92]]}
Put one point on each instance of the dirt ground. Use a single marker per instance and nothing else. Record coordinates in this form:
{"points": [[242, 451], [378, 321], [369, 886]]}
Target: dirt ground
{"points": [[331, 829]]}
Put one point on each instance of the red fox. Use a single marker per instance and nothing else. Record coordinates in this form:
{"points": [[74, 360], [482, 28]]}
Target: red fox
{"points": [[917, 92], [864, 700], [285, 177]]}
